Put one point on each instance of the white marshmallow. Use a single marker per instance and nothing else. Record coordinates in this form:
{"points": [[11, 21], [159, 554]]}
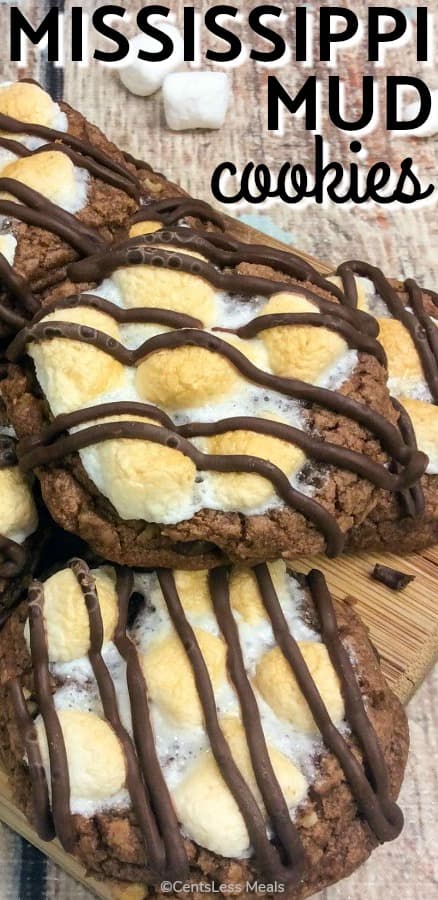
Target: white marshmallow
{"points": [[144, 77], [430, 126], [195, 99]]}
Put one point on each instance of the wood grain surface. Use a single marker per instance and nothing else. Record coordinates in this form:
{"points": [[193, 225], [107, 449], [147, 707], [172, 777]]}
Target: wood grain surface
{"points": [[404, 243]]}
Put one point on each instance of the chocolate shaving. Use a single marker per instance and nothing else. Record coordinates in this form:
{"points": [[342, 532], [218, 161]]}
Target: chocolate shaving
{"points": [[391, 578]]}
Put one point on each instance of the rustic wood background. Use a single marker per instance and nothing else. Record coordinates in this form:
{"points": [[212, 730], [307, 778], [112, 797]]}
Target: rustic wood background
{"points": [[403, 242]]}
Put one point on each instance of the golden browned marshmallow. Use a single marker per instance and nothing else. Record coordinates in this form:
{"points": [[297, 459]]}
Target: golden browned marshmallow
{"points": [[403, 359], [424, 418], [362, 300], [247, 490], [18, 515], [165, 288], [72, 373], [300, 351], [27, 103], [143, 479], [96, 762], [278, 686], [144, 227], [245, 597], [207, 809], [185, 377], [51, 173], [169, 676], [65, 613], [194, 592]]}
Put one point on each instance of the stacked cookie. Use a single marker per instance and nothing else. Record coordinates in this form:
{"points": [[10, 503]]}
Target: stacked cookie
{"points": [[190, 407]]}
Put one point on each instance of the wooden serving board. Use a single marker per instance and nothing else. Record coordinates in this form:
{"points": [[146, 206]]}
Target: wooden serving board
{"points": [[403, 626]]}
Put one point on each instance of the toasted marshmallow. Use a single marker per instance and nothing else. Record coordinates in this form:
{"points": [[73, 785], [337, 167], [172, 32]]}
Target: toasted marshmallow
{"points": [[245, 595], [65, 613], [404, 365], [72, 373], [300, 351], [362, 299], [53, 175], [278, 686], [29, 103], [96, 762], [206, 807], [240, 490], [193, 591], [145, 286], [142, 479], [169, 676], [185, 377], [424, 418], [18, 515], [144, 227]]}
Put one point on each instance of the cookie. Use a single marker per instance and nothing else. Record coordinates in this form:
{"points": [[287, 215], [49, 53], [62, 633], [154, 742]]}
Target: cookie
{"points": [[229, 727], [20, 544], [260, 427], [407, 318], [65, 191]]}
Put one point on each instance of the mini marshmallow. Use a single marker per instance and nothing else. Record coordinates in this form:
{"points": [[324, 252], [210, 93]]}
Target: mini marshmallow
{"points": [[195, 99], [143, 77]]}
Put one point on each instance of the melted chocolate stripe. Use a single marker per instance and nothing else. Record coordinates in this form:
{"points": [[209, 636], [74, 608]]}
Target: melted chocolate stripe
{"points": [[368, 802], [95, 434], [269, 787], [15, 283], [419, 325], [143, 250], [266, 855], [291, 387], [14, 126], [16, 557], [40, 794], [142, 314], [59, 772], [261, 254], [15, 147], [354, 705], [176, 858], [413, 498], [315, 448], [35, 209], [354, 338], [96, 169], [322, 451], [134, 781]]}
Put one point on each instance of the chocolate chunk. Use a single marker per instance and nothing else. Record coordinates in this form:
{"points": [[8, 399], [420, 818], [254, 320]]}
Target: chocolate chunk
{"points": [[392, 578]]}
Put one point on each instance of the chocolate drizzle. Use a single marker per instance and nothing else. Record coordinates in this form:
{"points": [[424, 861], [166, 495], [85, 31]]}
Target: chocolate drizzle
{"points": [[59, 771], [37, 210], [164, 846], [417, 322], [52, 445]]}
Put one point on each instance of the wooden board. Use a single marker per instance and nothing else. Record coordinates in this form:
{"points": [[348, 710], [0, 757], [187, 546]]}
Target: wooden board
{"points": [[403, 627]]}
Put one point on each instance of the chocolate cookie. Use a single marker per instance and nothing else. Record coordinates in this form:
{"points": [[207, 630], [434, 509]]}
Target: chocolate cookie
{"points": [[230, 727], [407, 318], [202, 393], [65, 191]]}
